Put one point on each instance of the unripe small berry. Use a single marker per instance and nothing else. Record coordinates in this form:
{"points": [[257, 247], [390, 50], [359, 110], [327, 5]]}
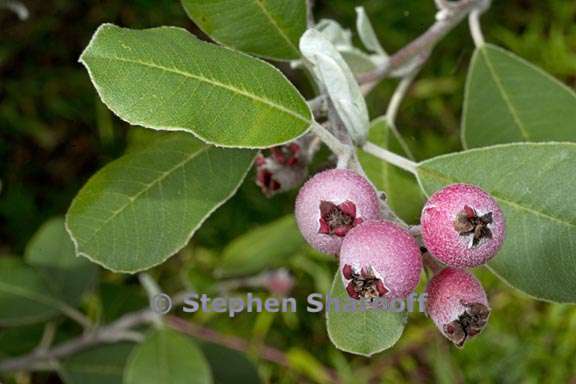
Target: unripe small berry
{"points": [[283, 168], [457, 304], [462, 226], [330, 204], [379, 258]]}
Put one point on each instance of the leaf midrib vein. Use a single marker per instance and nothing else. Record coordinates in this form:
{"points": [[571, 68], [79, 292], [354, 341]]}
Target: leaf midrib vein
{"points": [[132, 199], [505, 96], [277, 26], [17, 291], [507, 201], [210, 81]]}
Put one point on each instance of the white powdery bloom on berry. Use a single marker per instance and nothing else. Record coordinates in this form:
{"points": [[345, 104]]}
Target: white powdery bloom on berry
{"points": [[380, 258], [462, 226], [330, 204], [457, 304]]}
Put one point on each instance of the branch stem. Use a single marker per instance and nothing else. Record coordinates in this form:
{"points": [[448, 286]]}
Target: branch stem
{"points": [[152, 290], [424, 42], [115, 332], [475, 27], [343, 151], [390, 157], [398, 96]]}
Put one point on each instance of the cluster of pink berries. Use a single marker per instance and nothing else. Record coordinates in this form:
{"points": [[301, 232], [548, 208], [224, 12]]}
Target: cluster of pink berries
{"points": [[339, 212]]}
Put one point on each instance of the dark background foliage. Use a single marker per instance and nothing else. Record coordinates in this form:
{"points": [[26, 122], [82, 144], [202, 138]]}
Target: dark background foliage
{"points": [[54, 134]]}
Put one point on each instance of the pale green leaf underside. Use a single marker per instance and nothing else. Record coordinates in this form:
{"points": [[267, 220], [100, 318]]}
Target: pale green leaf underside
{"points": [[267, 28], [167, 357], [402, 191], [24, 296], [265, 247], [362, 333], [166, 79], [534, 185], [144, 207], [510, 100], [100, 365], [52, 252]]}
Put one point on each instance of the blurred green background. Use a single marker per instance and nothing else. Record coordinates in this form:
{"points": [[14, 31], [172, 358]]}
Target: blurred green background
{"points": [[54, 134]]}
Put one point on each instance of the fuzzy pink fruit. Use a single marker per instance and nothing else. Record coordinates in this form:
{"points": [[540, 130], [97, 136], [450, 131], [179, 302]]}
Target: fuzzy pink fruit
{"points": [[379, 258], [462, 226], [457, 304], [330, 204]]}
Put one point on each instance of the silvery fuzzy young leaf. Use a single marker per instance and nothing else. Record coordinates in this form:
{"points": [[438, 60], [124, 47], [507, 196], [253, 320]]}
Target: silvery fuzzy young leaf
{"points": [[341, 86], [333, 31], [358, 61], [367, 34], [167, 79]]}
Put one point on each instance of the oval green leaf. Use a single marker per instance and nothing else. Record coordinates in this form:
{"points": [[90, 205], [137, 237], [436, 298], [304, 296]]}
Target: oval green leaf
{"points": [[403, 194], [144, 207], [362, 333], [269, 28], [534, 185], [510, 100], [24, 296], [100, 365], [265, 247], [166, 79], [167, 357], [52, 253], [238, 368]]}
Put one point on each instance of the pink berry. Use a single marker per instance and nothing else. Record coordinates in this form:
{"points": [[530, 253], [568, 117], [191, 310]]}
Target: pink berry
{"points": [[330, 204], [380, 258], [462, 226], [457, 304]]}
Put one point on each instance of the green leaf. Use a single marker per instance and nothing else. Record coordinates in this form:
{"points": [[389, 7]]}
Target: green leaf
{"points": [[144, 207], [119, 299], [20, 340], [534, 185], [166, 79], [267, 28], [52, 253], [167, 357], [301, 360], [363, 333], [101, 365], [510, 100], [237, 368], [268, 246], [24, 296], [402, 191]]}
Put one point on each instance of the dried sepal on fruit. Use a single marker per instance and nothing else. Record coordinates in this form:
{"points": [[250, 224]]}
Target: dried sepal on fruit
{"points": [[380, 259], [332, 203], [457, 304], [462, 226]]}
